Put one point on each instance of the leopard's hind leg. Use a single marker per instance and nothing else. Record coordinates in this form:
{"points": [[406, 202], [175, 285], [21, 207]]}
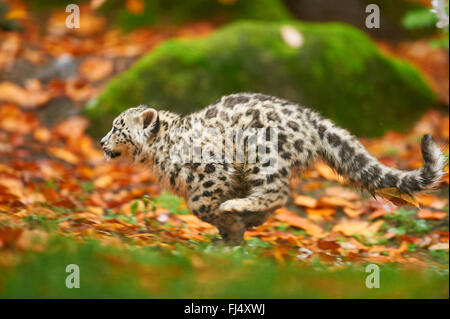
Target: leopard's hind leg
{"points": [[267, 193]]}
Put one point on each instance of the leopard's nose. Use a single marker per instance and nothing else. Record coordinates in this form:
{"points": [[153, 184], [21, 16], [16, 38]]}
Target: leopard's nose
{"points": [[102, 142]]}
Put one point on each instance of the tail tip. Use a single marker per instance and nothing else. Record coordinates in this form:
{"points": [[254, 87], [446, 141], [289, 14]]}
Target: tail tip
{"points": [[430, 151]]}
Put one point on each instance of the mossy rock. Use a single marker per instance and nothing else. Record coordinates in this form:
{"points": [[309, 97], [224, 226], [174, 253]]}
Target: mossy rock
{"points": [[338, 71], [175, 11]]}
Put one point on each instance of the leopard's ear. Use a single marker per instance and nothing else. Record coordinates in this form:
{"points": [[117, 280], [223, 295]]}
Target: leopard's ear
{"points": [[149, 120]]}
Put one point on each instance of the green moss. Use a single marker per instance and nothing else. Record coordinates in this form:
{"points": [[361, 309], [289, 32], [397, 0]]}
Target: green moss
{"points": [[176, 12], [338, 71]]}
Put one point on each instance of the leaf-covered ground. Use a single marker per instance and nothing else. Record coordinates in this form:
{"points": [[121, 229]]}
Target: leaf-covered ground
{"points": [[61, 203]]}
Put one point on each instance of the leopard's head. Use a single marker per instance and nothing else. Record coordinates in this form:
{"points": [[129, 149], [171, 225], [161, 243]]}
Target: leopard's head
{"points": [[130, 131]]}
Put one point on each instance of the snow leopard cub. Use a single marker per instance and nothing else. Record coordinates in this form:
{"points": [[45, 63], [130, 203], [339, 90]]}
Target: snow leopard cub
{"points": [[239, 191]]}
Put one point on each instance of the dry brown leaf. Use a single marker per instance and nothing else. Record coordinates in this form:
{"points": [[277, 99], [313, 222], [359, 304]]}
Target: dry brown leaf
{"points": [[336, 202], [282, 214], [42, 134], [428, 214], [63, 154], [397, 197], [357, 227], [320, 211], [305, 201], [72, 128], [95, 69], [13, 186], [78, 89], [135, 6], [432, 201], [353, 213], [33, 95], [95, 4], [439, 246], [342, 192], [378, 213], [103, 181]]}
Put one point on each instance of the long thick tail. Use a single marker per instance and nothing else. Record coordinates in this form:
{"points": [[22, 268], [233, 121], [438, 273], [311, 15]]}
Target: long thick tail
{"points": [[348, 157]]}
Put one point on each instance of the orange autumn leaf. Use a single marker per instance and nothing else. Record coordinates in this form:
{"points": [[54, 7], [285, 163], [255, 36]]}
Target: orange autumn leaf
{"points": [[31, 96], [12, 186], [72, 128], [342, 192], [335, 202], [378, 213], [135, 6], [283, 215], [328, 244], [432, 201], [428, 214], [357, 227], [63, 154], [320, 211], [78, 89], [95, 4], [103, 181], [439, 246], [352, 212], [312, 186], [397, 197], [95, 69], [42, 135], [306, 201]]}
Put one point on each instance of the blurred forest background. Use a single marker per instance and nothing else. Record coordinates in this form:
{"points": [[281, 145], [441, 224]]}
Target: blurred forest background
{"points": [[61, 203]]}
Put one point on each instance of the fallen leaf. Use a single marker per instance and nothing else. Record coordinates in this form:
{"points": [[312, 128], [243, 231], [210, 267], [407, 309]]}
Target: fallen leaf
{"points": [[320, 211], [103, 181], [342, 192], [63, 154], [378, 213], [353, 213], [293, 219], [72, 128], [397, 197], [357, 227], [135, 6], [95, 69], [42, 134], [31, 96], [334, 201], [305, 201], [432, 201], [439, 246], [428, 214]]}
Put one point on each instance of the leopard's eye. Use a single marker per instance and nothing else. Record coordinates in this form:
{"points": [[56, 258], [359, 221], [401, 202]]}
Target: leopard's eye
{"points": [[114, 129]]}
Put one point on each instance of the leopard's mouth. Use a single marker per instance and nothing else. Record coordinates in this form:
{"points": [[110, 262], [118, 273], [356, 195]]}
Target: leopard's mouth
{"points": [[111, 154]]}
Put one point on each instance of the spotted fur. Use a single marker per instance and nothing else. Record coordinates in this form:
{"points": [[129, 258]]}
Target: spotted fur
{"points": [[235, 196]]}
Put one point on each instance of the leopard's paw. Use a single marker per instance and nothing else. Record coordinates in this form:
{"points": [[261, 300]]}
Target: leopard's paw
{"points": [[234, 205]]}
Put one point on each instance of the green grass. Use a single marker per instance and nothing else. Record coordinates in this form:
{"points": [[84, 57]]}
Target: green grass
{"points": [[200, 270]]}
